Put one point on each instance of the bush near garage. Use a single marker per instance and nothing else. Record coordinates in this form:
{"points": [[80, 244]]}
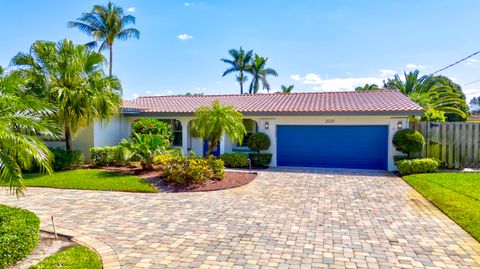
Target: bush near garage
{"points": [[261, 160], [185, 171], [235, 160], [418, 166], [19, 230], [259, 141], [408, 141]]}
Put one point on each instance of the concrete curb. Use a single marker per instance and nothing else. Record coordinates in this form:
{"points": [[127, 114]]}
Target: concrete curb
{"points": [[107, 254]]}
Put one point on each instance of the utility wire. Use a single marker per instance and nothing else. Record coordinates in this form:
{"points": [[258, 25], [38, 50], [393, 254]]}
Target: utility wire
{"points": [[455, 63], [471, 82]]}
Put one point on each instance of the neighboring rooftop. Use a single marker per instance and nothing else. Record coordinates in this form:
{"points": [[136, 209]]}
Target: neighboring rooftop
{"points": [[308, 102]]}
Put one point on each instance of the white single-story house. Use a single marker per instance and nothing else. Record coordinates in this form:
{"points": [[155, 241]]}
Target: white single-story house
{"points": [[327, 129]]}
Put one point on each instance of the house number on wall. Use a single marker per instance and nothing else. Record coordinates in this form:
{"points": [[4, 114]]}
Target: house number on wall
{"points": [[329, 121]]}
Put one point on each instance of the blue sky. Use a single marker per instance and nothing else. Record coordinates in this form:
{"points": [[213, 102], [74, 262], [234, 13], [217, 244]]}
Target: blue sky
{"points": [[315, 45]]}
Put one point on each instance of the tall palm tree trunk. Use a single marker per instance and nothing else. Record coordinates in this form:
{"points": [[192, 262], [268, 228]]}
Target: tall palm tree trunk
{"points": [[241, 82], [68, 138], [111, 58]]}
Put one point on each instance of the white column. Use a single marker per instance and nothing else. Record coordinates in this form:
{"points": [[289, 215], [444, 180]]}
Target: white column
{"points": [[185, 136], [222, 144]]}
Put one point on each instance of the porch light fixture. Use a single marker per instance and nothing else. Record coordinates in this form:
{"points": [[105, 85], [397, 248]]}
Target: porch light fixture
{"points": [[267, 125], [400, 125]]}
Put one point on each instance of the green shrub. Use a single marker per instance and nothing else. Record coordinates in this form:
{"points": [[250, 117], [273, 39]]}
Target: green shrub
{"points": [[258, 142], [217, 166], [433, 115], [408, 141], [152, 126], [187, 171], [260, 159], [107, 156], [175, 151], [18, 234], [67, 160], [402, 157], [144, 148], [235, 159], [418, 166]]}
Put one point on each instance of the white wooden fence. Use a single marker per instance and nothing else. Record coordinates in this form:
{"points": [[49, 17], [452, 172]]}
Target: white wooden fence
{"points": [[454, 143]]}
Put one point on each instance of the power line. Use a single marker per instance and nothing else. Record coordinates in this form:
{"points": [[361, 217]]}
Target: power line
{"points": [[471, 82], [455, 63]]}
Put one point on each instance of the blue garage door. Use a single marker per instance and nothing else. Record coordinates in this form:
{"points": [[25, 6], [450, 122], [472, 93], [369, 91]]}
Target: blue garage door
{"points": [[363, 147]]}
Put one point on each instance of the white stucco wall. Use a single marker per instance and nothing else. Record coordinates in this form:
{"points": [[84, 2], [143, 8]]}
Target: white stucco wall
{"points": [[120, 127], [82, 141]]}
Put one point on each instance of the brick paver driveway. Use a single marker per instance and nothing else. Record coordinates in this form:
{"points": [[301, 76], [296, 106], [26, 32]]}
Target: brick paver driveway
{"points": [[285, 218]]}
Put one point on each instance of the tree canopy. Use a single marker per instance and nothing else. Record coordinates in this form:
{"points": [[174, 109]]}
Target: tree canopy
{"points": [[24, 120], [211, 122], [71, 78], [106, 24]]}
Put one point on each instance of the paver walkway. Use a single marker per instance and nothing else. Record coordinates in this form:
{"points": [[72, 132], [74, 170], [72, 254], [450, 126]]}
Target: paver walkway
{"points": [[285, 218]]}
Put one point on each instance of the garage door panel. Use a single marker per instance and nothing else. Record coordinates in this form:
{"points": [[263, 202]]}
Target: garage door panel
{"points": [[332, 146]]}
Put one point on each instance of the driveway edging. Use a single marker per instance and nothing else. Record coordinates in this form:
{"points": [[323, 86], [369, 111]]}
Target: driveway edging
{"points": [[108, 256]]}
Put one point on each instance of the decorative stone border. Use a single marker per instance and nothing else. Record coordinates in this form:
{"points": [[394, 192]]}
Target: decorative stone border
{"points": [[107, 254]]}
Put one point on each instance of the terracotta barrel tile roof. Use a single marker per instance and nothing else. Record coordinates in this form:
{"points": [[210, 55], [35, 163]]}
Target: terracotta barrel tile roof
{"points": [[368, 101]]}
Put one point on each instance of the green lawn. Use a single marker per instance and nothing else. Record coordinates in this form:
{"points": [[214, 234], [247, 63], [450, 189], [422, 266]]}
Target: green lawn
{"points": [[77, 257], [456, 194], [89, 179]]}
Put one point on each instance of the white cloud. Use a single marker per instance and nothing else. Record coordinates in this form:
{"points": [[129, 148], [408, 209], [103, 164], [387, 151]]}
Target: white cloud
{"points": [[387, 72], [414, 66], [135, 95], [295, 77], [323, 83], [184, 36], [470, 61], [219, 82], [191, 4], [131, 9]]}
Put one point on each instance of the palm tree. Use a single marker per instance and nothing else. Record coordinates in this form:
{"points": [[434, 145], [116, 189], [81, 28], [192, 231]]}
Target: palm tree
{"points": [[260, 73], [367, 87], [106, 24], [287, 89], [239, 63], [23, 119], [431, 92], [211, 123], [144, 147], [71, 78]]}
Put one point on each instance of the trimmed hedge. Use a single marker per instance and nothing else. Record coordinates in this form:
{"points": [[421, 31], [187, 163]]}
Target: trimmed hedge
{"points": [[18, 234], [418, 166], [107, 156], [152, 126], [258, 142], [262, 160], [67, 160], [408, 141], [235, 160], [185, 171]]}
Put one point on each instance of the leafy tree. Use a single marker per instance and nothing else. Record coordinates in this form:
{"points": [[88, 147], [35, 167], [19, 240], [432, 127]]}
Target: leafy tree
{"points": [[432, 92], [287, 89], [23, 120], [71, 78], [106, 24], [367, 87], [260, 73], [239, 64], [212, 122], [475, 105], [145, 147]]}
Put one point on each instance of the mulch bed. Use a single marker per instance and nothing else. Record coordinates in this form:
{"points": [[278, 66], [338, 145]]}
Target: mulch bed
{"points": [[231, 180]]}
